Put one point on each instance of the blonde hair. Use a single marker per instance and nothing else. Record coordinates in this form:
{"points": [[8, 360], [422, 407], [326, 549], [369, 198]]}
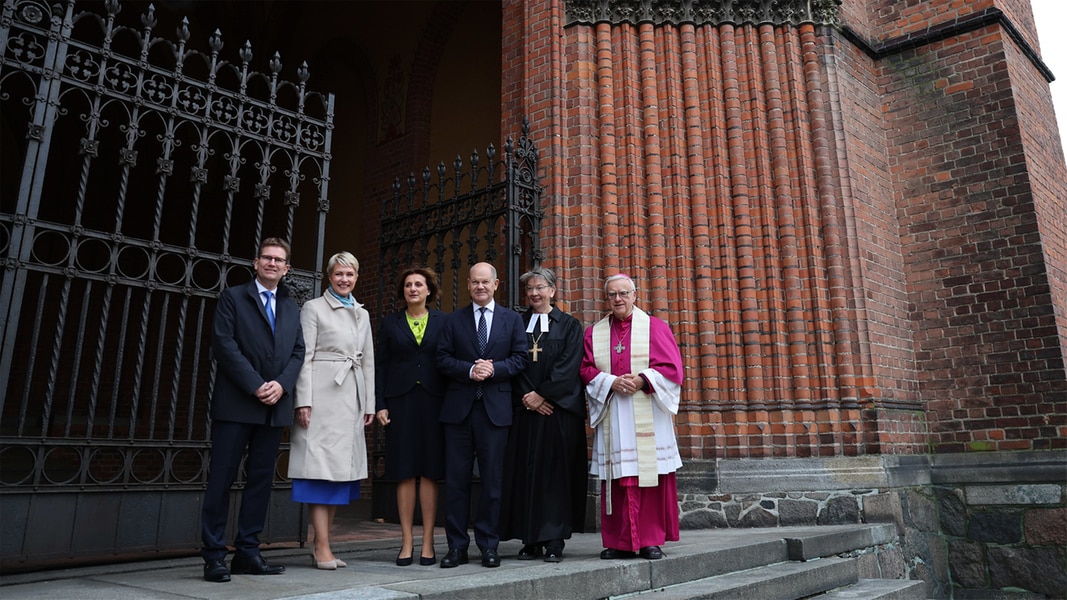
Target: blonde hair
{"points": [[341, 258]]}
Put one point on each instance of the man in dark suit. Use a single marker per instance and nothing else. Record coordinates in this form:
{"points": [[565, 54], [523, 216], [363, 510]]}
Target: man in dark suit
{"points": [[258, 348], [482, 347]]}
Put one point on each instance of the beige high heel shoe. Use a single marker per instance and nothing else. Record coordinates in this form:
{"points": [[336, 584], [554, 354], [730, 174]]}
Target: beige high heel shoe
{"points": [[325, 565]]}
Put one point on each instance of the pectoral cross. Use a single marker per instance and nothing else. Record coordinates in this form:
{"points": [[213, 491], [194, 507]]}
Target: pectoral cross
{"points": [[534, 350], [619, 347]]}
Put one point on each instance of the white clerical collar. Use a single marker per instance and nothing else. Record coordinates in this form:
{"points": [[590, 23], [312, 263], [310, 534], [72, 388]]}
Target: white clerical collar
{"points": [[538, 317]]}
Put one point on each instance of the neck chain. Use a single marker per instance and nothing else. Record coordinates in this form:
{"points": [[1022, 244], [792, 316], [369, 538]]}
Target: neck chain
{"points": [[535, 349], [618, 348]]}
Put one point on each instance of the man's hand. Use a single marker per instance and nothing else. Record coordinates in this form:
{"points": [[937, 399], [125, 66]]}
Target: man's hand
{"points": [[627, 384], [483, 369], [270, 393]]}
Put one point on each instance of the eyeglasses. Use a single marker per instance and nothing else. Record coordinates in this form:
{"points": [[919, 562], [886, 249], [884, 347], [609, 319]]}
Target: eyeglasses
{"points": [[272, 259], [538, 288], [624, 294]]}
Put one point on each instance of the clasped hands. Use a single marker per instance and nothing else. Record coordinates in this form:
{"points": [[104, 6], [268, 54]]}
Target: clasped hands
{"points": [[482, 370], [628, 384], [537, 403], [270, 392]]}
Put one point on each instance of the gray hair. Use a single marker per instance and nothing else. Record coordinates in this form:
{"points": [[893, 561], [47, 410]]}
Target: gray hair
{"points": [[618, 276], [492, 269], [544, 273], [341, 258]]}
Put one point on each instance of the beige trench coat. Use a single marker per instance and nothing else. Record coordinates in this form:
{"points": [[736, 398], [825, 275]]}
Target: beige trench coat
{"points": [[337, 382]]}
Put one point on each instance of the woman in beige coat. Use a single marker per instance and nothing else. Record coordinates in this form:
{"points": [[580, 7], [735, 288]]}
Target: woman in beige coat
{"points": [[334, 403]]}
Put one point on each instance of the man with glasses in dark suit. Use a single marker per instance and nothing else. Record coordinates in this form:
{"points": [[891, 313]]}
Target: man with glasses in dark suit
{"points": [[258, 348]]}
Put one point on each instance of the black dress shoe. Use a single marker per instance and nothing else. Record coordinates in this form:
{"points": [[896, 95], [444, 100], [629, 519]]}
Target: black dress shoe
{"points": [[554, 551], [529, 552], [490, 558], [215, 571], [454, 558], [612, 554], [651, 552], [254, 565]]}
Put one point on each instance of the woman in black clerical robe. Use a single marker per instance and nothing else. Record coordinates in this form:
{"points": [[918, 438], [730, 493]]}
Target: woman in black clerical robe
{"points": [[546, 462]]}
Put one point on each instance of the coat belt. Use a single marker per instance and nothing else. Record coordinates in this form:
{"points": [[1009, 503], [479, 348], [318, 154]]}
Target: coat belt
{"points": [[350, 362]]}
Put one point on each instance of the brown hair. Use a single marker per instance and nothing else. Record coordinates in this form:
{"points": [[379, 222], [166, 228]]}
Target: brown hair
{"points": [[277, 242], [427, 274]]}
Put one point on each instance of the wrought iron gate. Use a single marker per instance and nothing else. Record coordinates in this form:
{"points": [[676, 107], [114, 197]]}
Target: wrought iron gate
{"points": [[486, 213], [489, 212], [147, 173]]}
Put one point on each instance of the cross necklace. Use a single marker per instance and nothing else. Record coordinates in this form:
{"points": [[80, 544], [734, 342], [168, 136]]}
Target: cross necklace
{"points": [[536, 349], [619, 347]]}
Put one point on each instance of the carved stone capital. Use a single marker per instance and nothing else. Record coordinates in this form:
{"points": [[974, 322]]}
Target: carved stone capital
{"points": [[702, 12]]}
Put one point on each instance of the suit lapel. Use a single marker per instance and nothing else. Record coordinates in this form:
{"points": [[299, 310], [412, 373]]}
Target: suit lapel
{"points": [[405, 329], [253, 292], [470, 326]]}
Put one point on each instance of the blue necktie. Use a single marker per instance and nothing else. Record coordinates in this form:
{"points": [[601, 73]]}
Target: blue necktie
{"points": [[483, 332], [270, 311]]}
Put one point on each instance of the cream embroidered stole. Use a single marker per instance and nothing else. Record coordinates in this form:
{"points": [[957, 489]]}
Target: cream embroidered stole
{"points": [[648, 474]]}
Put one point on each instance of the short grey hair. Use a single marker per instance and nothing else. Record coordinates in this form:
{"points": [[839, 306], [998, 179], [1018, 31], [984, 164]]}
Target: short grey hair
{"points": [[341, 258], [544, 273], [617, 277]]}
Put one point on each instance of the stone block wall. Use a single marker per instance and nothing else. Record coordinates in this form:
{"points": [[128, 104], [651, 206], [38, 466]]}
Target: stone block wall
{"points": [[917, 554], [1005, 536], [968, 525]]}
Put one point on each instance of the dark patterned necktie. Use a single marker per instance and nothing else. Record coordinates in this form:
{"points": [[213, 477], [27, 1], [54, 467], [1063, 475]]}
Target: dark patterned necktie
{"points": [[483, 341], [483, 332]]}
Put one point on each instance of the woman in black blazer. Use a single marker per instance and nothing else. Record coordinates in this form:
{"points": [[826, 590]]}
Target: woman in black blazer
{"points": [[409, 391]]}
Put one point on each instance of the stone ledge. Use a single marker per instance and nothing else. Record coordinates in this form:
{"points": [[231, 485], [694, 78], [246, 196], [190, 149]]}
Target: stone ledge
{"points": [[1024, 494], [821, 474], [1031, 466], [733, 476]]}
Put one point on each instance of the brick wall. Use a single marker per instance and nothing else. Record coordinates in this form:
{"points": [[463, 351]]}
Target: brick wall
{"points": [[705, 161], [848, 246], [988, 351]]}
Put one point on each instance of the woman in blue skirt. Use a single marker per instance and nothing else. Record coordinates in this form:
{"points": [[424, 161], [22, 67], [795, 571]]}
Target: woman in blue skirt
{"points": [[334, 403]]}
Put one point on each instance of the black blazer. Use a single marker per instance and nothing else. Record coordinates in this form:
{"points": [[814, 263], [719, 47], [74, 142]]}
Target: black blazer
{"points": [[400, 362], [247, 354], [459, 349]]}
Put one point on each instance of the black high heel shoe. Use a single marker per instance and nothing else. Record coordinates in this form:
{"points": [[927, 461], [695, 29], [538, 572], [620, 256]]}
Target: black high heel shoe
{"points": [[428, 560], [404, 562]]}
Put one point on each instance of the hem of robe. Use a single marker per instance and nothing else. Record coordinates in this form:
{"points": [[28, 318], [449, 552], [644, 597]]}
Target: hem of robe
{"points": [[641, 516]]}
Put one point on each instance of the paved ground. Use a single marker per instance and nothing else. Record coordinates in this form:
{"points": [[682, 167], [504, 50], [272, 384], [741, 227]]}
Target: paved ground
{"points": [[370, 549]]}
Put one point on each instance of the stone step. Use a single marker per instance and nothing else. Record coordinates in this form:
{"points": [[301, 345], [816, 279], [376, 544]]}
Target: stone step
{"points": [[780, 581], [878, 589], [815, 545]]}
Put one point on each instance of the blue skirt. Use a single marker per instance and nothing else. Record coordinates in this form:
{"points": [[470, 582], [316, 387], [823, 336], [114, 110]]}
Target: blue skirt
{"points": [[318, 491]]}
